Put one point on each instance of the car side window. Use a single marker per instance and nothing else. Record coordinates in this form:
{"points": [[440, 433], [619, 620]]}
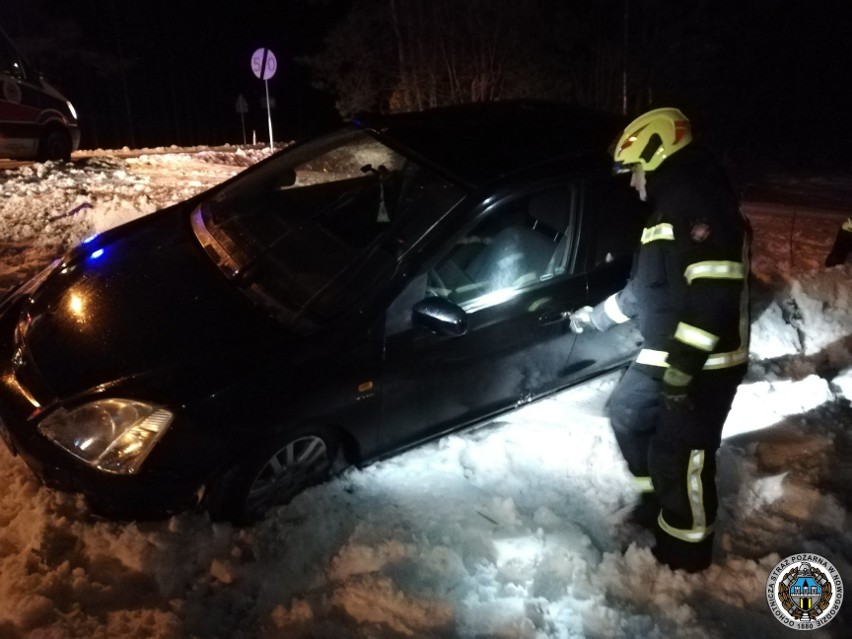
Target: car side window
{"points": [[5, 59], [617, 216], [520, 243], [10, 62]]}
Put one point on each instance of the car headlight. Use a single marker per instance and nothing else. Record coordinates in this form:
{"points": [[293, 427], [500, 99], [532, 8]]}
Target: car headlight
{"points": [[112, 435]]}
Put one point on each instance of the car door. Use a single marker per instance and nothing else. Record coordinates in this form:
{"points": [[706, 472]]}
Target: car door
{"points": [[613, 217], [511, 274]]}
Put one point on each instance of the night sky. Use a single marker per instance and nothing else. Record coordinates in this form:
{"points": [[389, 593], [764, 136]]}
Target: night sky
{"points": [[775, 75], [183, 66]]}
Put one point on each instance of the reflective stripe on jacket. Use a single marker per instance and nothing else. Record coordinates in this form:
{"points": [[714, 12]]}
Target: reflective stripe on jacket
{"points": [[689, 284]]}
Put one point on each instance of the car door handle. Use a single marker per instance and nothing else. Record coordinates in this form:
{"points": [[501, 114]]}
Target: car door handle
{"points": [[553, 316]]}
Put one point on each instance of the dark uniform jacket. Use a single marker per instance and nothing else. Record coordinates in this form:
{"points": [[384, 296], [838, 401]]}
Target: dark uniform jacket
{"points": [[689, 284]]}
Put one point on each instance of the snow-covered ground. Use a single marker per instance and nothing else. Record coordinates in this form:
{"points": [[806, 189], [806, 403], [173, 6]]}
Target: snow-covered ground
{"points": [[513, 529]]}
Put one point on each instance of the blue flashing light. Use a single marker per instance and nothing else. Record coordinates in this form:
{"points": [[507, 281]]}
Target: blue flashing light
{"points": [[96, 254], [90, 238]]}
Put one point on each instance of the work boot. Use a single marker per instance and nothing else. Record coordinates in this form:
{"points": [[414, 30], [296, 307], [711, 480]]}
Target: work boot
{"points": [[646, 511], [683, 555]]}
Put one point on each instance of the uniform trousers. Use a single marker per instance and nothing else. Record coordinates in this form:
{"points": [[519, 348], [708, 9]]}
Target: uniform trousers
{"points": [[676, 448]]}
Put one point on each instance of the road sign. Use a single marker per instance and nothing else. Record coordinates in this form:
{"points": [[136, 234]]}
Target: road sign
{"points": [[263, 63]]}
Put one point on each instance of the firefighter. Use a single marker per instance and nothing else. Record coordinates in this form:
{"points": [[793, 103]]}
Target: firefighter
{"points": [[689, 292]]}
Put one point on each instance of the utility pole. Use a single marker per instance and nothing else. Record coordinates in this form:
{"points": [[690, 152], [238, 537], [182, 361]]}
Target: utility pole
{"points": [[624, 58], [123, 75]]}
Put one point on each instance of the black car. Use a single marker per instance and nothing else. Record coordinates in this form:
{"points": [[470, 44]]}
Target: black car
{"points": [[351, 296]]}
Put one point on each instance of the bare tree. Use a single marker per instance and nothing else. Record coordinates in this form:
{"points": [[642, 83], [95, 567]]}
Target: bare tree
{"points": [[614, 55], [449, 51], [415, 54]]}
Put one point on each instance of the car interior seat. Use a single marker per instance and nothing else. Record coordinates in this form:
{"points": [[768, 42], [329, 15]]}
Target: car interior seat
{"points": [[551, 211], [520, 255]]}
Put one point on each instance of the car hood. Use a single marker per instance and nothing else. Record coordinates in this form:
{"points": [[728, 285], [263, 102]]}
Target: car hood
{"points": [[143, 301]]}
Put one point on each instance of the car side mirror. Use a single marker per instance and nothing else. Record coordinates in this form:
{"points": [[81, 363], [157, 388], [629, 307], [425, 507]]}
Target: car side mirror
{"points": [[440, 316]]}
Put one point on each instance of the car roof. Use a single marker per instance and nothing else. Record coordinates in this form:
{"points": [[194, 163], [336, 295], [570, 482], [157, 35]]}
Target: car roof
{"points": [[482, 142]]}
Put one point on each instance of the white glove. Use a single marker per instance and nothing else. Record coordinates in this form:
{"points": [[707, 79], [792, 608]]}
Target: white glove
{"points": [[581, 319]]}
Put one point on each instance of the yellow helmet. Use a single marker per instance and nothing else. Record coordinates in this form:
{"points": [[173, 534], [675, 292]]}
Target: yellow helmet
{"points": [[651, 138]]}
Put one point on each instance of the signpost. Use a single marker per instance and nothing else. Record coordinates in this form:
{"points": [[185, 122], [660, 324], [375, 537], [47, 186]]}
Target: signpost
{"points": [[242, 109], [264, 65]]}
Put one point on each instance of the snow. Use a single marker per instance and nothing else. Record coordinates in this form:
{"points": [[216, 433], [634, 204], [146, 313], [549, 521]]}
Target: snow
{"points": [[512, 529]]}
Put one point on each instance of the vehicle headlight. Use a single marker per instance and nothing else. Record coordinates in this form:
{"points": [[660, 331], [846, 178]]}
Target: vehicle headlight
{"points": [[72, 110], [112, 435]]}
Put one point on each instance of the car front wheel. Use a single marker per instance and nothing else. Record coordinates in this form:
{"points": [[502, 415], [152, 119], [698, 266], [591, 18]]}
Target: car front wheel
{"points": [[55, 145], [272, 476]]}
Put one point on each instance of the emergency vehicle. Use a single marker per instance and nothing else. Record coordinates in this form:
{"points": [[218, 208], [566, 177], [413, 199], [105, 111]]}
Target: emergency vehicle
{"points": [[36, 121]]}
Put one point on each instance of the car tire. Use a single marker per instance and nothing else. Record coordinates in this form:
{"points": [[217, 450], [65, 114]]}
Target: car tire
{"points": [[54, 145], [272, 475]]}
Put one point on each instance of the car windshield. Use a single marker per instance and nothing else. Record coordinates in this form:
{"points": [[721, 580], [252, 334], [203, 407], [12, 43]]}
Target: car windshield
{"points": [[313, 230]]}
